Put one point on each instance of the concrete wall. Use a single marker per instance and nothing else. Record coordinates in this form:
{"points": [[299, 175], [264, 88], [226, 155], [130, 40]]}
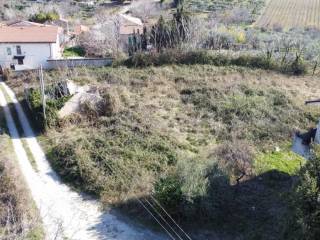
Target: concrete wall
{"points": [[35, 54], [88, 62]]}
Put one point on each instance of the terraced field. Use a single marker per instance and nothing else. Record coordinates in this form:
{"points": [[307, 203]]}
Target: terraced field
{"points": [[290, 14], [253, 6]]}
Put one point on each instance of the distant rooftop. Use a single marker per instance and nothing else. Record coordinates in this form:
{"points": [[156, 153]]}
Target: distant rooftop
{"points": [[28, 32], [23, 24], [127, 19], [129, 24]]}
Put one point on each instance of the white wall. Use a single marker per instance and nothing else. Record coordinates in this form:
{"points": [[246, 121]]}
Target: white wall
{"points": [[35, 54]]}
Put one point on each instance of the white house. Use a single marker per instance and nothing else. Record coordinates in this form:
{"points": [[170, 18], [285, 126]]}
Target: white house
{"points": [[25, 45]]}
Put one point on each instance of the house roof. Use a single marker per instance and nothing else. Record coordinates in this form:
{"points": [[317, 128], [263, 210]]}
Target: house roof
{"points": [[127, 19], [29, 34], [23, 24], [129, 24]]}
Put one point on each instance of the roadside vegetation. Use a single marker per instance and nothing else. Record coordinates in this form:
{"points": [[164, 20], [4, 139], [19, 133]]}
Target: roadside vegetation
{"points": [[18, 216]]}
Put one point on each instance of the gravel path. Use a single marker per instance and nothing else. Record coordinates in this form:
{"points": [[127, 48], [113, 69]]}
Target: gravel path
{"points": [[64, 212]]}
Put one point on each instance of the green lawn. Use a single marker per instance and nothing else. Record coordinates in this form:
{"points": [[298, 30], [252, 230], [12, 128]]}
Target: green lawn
{"points": [[284, 160], [74, 52]]}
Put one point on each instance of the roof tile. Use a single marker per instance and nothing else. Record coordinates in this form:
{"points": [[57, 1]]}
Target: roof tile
{"points": [[29, 34]]}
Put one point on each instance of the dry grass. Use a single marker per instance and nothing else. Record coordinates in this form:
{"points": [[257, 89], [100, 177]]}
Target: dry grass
{"points": [[18, 215], [290, 14], [162, 125]]}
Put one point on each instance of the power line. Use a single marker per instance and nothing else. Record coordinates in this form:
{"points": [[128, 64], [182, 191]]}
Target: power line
{"points": [[155, 218], [156, 201], [164, 220]]}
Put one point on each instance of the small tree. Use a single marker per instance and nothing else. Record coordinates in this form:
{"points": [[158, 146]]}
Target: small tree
{"points": [[236, 159], [104, 38]]}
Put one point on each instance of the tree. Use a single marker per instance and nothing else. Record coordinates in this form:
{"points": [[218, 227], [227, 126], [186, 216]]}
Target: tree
{"points": [[236, 159], [180, 26], [161, 35], [308, 198], [104, 38]]}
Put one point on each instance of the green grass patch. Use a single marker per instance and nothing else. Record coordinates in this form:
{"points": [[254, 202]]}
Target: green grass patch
{"points": [[74, 52], [285, 161]]}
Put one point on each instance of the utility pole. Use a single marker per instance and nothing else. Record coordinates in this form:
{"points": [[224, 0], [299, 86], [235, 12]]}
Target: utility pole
{"points": [[42, 89]]}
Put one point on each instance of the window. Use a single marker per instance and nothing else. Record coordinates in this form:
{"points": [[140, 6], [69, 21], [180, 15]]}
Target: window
{"points": [[19, 50], [9, 52], [20, 61]]}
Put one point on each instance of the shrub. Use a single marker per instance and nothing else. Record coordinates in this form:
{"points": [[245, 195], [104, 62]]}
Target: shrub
{"points": [[111, 103], [206, 57], [52, 106], [236, 158], [307, 198], [92, 108], [43, 17], [74, 52], [168, 191], [298, 67], [196, 188], [254, 62]]}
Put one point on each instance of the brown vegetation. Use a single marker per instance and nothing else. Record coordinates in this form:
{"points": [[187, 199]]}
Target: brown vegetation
{"points": [[160, 126], [18, 216]]}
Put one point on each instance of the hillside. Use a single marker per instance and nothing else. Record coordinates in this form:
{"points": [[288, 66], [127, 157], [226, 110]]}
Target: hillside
{"points": [[187, 133], [163, 131]]}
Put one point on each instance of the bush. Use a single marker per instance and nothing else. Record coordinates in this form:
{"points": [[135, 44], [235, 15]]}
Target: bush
{"points": [[74, 52], [307, 198], [52, 106], [168, 191], [43, 17], [236, 159], [254, 62], [298, 67], [111, 103], [197, 188], [206, 57]]}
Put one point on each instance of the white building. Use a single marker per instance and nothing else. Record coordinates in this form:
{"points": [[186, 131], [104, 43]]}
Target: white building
{"points": [[25, 45]]}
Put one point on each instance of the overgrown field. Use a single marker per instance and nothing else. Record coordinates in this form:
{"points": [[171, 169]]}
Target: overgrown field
{"points": [[291, 14], [172, 132]]}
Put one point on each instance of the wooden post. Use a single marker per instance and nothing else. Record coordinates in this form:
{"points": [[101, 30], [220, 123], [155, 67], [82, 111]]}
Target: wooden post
{"points": [[42, 89]]}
